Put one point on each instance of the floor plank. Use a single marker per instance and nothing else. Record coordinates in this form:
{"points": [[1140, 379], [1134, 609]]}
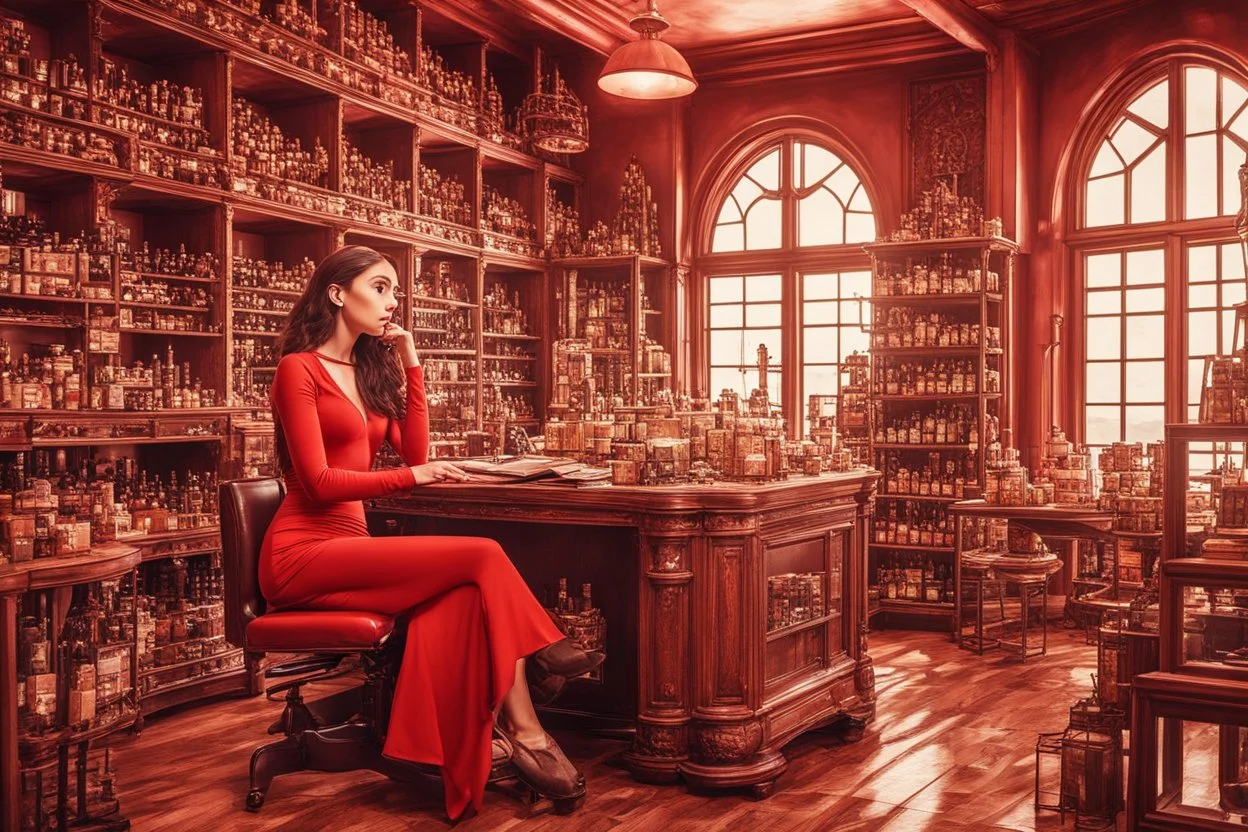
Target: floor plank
{"points": [[951, 750]]}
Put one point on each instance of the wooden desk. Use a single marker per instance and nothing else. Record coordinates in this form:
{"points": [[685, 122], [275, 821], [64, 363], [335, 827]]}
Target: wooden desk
{"points": [[680, 574]]}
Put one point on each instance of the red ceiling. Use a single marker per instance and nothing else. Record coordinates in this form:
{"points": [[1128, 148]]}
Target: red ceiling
{"points": [[697, 23]]}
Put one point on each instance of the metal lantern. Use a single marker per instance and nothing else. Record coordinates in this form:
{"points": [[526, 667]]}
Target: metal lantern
{"points": [[1050, 779], [1092, 764]]}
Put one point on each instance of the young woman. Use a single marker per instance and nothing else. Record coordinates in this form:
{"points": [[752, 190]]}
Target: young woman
{"points": [[349, 377]]}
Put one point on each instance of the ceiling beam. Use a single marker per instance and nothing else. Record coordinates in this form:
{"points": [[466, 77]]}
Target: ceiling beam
{"points": [[799, 55], [962, 23], [594, 24]]}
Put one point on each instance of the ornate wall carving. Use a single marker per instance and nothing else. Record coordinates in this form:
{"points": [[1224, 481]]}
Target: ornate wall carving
{"points": [[949, 134]]}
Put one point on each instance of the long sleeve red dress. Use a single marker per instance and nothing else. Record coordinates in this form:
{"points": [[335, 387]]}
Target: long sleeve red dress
{"points": [[472, 615]]}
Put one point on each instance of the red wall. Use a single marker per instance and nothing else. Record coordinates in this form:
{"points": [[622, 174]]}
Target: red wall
{"points": [[1072, 72], [682, 143]]}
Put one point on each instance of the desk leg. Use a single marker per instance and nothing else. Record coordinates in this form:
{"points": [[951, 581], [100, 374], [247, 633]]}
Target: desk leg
{"points": [[10, 799], [662, 740]]}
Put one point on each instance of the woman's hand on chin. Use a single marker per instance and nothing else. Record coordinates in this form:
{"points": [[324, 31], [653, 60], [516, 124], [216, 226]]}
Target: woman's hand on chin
{"points": [[400, 339]]}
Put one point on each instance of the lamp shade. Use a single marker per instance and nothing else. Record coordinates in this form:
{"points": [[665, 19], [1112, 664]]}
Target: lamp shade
{"points": [[647, 68]]}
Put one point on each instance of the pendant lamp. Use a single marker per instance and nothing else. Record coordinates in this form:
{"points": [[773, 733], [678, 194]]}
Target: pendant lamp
{"points": [[647, 68]]}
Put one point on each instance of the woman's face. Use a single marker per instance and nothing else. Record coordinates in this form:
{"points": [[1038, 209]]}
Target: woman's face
{"points": [[370, 299]]}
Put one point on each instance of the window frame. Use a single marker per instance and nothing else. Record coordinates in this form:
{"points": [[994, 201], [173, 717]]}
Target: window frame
{"points": [[1172, 235], [789, 261]]}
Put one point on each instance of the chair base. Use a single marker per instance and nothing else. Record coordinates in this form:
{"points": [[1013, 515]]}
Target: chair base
{"points": [[349, 747]]}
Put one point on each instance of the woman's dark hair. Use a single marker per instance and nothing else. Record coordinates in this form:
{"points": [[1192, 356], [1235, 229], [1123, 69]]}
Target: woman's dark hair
{"points": [[378, 375]]}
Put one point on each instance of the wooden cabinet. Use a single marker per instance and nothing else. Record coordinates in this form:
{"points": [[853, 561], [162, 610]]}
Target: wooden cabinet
{"points": [[940, 342], [1189, 727], [735, 619]]}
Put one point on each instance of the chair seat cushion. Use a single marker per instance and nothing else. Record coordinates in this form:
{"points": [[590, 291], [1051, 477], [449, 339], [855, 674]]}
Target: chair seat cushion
{"points": [[318, 631]]}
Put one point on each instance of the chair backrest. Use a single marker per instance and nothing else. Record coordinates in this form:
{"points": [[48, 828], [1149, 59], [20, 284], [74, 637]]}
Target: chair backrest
{"points": [[247, 509]]}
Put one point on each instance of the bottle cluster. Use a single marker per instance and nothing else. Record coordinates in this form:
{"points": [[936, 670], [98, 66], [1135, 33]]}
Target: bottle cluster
{"points": [[164, 293], [374, 180], [262, 149], [905, 327], [167, 262], [912, 524], [246, 300], [936, 475], [55, 86], [54, 509], [635, 228], [162, 111], [437, 279], [293, 17], [563, 226], [448, 369], [504, 215], [914, 577], [451, 84], [794, 598], [956, 376], [257, 323], [456, 333], [161, 383], [943, 275], [367, 40], [80, 143], [262, 274], [944, 424], [502, 311], [940, 214], [443, 198], [497, 406]]}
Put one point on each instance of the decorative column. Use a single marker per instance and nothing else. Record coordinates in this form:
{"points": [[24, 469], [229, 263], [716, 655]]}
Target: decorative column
{"points": [[661, 744], [726, 734]]}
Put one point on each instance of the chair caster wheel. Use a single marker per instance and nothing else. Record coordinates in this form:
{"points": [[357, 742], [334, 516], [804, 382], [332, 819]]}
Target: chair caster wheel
{"points": [[568, 805], [255, 799]]}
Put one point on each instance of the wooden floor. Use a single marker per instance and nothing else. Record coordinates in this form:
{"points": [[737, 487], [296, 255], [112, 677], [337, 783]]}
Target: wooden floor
{"points": [[952, 750]]}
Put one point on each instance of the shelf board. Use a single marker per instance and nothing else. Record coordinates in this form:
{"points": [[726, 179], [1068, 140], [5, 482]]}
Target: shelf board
{"points": [[281, 293], [511, 337], [941, 245], [936, 397], [905, 446], [792, 629], [48, 298], [509, 357], [937, 299], [135, 304], [126, 330], [430, 299], [609, 261], [916, 498], [276, 313], [961, 349], [185, 278], [916, 607], [255, 333], [909, 548]]}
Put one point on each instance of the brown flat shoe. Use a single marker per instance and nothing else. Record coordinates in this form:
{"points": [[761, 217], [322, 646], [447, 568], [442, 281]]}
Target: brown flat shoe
{"points": [[548, 771], [564, 658], [544, 687]]}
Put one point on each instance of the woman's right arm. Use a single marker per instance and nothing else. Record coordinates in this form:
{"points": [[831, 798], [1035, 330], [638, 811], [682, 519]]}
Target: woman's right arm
{"points": [[294, 394]]}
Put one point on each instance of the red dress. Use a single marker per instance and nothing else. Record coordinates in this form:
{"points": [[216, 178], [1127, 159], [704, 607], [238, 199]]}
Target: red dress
{"points": [[472, 614]]}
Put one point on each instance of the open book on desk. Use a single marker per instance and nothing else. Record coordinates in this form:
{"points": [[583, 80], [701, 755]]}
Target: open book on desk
{"points": [[518, 468]]}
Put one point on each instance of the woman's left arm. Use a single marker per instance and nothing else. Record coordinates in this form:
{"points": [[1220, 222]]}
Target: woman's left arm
{"points": [[409, 436]]}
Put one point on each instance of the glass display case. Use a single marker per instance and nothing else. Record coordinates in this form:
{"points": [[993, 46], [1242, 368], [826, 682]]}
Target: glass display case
{"points": [[1190, 720]]}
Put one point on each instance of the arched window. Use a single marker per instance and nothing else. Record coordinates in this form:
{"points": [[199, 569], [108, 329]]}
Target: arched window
{"points": [[1156, 250], [785, 270]]}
